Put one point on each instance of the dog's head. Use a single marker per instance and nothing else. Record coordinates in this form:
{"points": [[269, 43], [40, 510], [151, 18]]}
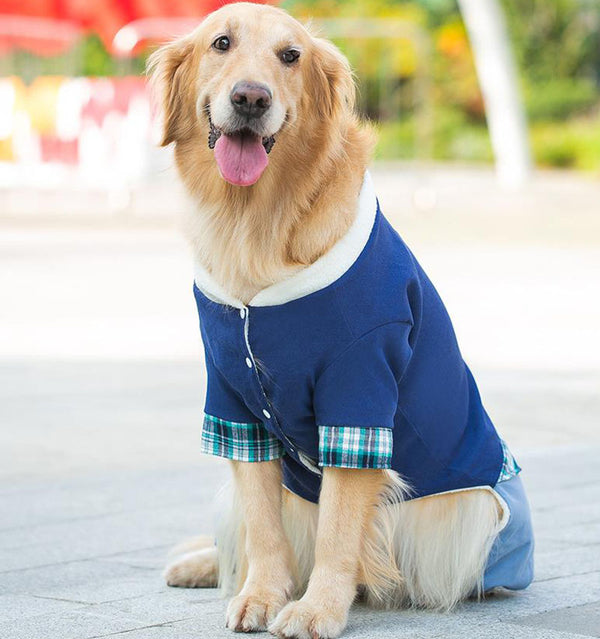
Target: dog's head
{"points": [[248, 80]]}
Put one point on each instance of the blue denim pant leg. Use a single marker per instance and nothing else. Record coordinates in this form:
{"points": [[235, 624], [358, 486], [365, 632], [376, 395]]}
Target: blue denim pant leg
{"points": [[510, 564]]}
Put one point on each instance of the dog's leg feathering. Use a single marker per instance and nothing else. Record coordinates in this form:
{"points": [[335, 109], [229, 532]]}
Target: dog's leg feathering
{"points": [[347, 504], [268, 583]]}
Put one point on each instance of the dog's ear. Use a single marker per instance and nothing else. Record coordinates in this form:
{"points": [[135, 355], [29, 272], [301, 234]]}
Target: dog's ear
{"points": [[170, 69], [331, 79]]}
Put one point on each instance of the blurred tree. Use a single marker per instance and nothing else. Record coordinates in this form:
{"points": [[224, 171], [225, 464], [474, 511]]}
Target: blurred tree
{"points": [[554, 39], [386, 67], [96, 61], [558, 48], [439, 11], [455, 78]]}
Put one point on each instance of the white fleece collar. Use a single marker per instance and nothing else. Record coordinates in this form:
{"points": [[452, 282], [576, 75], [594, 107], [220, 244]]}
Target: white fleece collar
{"points": [[326, 270]]}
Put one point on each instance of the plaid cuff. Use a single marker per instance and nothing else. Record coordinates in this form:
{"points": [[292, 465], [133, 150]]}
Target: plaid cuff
{"points": [[241, 442], [355, 447], [510, 468]]}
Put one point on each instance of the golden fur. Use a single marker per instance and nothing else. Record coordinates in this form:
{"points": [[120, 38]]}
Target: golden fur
{"points": [[272, 545], [253, 236]]}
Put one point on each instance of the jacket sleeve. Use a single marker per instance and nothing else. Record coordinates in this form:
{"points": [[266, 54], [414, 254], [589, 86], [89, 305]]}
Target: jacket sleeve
{"points": [[356, 398], [230, 430]]}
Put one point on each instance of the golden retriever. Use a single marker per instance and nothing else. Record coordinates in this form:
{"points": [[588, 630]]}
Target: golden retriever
{"points": [[269, 147]]}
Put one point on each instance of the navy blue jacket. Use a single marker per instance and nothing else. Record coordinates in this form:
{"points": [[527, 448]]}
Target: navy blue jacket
{"points": [[354, 364]]}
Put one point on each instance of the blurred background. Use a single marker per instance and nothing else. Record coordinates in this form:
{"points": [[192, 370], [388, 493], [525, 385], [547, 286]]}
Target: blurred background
{"points": [[488, 163], [74, 105]]}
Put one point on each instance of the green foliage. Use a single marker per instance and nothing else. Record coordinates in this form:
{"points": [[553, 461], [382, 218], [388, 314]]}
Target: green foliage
{"points": [[560, 98], [557, 38], [372, 56], [575, 144], [455, 137], [96, 59], [557, 46], [88, 58], [396, 140], [434, 11]]}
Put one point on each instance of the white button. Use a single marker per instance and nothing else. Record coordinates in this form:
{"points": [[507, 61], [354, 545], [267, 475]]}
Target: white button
{"points": [[248, 362], [266, 413], [242, 313]]}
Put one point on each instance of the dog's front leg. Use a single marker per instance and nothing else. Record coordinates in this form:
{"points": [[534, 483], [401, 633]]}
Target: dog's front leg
{"points": [[346, 506], [268, 583]]}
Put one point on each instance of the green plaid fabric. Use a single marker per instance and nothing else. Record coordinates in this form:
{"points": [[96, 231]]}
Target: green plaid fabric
{"points": [[355, 447], [241, 442], [510, 468]]}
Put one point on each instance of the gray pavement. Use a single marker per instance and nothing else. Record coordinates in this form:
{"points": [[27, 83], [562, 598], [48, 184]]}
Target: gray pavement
{"points": [[101, 395]]}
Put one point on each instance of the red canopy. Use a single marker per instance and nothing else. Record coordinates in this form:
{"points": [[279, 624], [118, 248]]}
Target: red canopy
{"points": [[44, 36], [104, 17]]}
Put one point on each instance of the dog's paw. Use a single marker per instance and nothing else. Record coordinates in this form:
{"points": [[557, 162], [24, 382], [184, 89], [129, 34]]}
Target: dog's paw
{"points": [[307, 620], [254, 611], [197, 569]]}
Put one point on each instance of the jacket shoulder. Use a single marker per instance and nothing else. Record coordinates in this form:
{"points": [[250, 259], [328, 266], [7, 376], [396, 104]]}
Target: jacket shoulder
{"points": [[383, 285]]}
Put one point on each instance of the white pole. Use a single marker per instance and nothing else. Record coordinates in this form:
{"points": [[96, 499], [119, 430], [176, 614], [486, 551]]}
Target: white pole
{"points": [[497, 75]]}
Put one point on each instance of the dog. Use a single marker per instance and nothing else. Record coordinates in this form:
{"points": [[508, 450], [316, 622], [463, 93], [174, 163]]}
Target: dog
{"points": [[364, 463]]}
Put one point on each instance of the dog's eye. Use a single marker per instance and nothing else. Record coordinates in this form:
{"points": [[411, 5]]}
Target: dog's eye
{"points": [[222, 43], [290, 56]]}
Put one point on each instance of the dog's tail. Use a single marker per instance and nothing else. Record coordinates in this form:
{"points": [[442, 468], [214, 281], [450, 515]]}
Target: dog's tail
{"points": [[438, 546]]}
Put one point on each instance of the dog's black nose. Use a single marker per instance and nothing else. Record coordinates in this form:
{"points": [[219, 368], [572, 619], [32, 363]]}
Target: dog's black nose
{"points": [[250, 99]]}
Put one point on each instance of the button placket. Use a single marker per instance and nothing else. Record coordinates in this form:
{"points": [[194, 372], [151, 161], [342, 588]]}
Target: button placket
{"points": [[245, 315], [250, 363]]}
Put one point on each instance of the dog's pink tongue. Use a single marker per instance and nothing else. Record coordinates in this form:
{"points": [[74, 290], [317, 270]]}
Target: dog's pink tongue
{"points": [[241, 158]]}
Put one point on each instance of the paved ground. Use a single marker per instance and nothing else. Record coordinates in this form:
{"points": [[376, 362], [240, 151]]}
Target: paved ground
{"points": [[101, 396]]}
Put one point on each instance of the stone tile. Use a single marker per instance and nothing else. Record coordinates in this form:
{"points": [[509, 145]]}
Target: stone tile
{"points": [[503, 631], [110, 493], [91, 538], [150, 558], [582, 535], [567, 561], [550, 476], [558, 593], [581, 620], [43, 579], [369, 624], [438, 626], [17, 607], [544, 545], [580, 513], [83, 582], [554, 594], [109, 590], [208, 625], [550, 492], [172, 604], [104, 494], [81, 624], [166, 631]]}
